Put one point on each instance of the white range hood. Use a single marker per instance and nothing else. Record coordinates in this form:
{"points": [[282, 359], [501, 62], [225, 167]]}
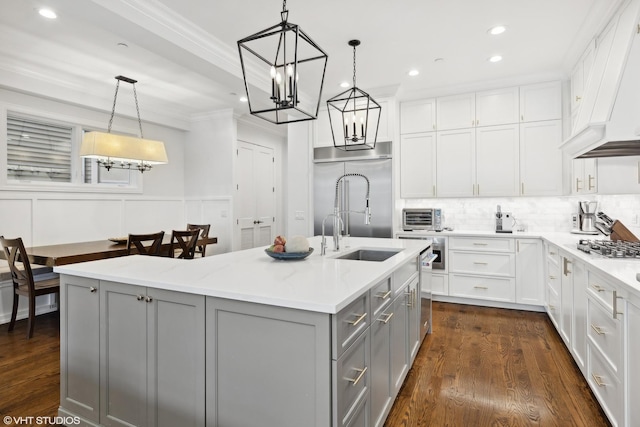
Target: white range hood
{"points": [[608, 122]]}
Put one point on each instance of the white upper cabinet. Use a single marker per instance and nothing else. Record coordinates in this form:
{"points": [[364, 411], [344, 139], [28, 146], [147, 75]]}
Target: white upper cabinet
{"points": [[497, 107], [540, 158], [497, 161], [456, 112], [619, 175], [456, 163], [418, 165], [541, 101], [584, 179], [580, 77], [418, 116]]}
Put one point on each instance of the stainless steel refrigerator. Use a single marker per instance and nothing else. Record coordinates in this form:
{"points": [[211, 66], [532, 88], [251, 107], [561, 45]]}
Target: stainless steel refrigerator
{"points": [[330, 164]]}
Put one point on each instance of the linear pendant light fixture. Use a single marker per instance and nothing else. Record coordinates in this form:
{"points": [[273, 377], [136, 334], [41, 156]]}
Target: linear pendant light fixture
{"points": [[283, 71], [120, 151], [354, 116]]}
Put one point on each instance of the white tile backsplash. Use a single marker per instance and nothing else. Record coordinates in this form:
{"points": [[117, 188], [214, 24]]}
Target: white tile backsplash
{"points": [[535, 213]]}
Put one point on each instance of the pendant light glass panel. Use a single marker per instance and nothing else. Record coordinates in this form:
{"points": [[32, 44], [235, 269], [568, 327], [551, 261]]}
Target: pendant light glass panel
{"points": [[283, 72]]}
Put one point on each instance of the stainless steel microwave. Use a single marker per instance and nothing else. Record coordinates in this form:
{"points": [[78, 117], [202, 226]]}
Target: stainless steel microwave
{"points": [[422, 219]]}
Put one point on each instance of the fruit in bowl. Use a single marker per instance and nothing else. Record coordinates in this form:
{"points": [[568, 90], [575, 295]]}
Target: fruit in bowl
{"points": [[296, 244]]}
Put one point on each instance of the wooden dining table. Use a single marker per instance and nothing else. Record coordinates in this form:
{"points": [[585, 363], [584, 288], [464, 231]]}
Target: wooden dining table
{"points": [[70, 253]]}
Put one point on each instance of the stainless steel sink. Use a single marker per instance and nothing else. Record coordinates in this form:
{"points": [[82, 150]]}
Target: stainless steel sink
{"points": [[377, 255]]}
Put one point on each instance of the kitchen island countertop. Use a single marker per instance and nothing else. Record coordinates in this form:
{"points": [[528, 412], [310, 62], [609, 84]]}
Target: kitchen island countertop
{"points": [[317, 283]]}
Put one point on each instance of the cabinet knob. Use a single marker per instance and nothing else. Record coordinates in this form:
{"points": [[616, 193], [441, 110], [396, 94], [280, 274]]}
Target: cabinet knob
{"points": [[148, 299], [139, 297], [93, 290]]}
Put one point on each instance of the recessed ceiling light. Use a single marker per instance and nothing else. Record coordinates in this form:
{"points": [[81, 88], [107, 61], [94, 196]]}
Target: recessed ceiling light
{"points": [[122, 45], [495, 58], [243, 99], [414, 73], [438, 60], [345, 84], [498, 29], [47, 13]]}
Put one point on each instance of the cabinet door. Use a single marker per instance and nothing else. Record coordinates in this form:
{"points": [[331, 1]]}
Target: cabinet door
{"points": [[541, 101], [566, 300], [580, 76], [632, 349], [123, 349], [456, 112], [540, 158], [497, 107], [413, 326], [497, 161], [399, 340], [455, 152], [529, 269], [418, 116], [80, 346], [579, 343], [584, 178], [176, 358], [418, 165], [381, 391]]}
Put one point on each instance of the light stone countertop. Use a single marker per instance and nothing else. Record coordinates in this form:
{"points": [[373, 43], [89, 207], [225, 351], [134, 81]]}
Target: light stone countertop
{"points": [[622, 271], [317, 283]]}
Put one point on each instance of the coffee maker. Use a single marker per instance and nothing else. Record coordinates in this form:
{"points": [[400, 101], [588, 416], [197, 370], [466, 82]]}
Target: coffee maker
{"points": [[584, 222], [504, 221]]}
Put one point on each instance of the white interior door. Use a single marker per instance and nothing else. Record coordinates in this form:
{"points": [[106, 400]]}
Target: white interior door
{"points": [[255, 195]]}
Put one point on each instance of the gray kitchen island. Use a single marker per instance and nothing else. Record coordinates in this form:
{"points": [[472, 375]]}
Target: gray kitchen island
{"points": [[239, 339]]}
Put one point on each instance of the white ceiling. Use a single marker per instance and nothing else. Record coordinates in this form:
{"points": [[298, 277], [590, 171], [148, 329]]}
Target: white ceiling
{"points": [[185, 57]]}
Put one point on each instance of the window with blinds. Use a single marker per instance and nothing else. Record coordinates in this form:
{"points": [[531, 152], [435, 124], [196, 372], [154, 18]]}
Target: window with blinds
{"points": [[38, 150]]}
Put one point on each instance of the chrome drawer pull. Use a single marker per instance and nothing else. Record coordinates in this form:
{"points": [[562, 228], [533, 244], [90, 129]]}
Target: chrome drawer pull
{"points": [[552, 253], [552, 307], [480, 263], [552, 277], [598, 288], [480, 287], [598, 329], [358, 320], [479, 244], [614, 304], [359, 377], [386, 320], [598, 380], [383, 295]]}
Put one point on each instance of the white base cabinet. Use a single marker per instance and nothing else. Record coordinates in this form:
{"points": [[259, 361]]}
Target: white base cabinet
{"points": [[529, 272]]}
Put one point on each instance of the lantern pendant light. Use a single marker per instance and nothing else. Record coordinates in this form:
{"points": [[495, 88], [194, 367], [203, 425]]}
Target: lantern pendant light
{"points": [[354, 116], [283, 71]]}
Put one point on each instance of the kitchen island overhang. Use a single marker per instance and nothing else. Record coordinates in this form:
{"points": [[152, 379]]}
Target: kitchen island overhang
{"points": [[239, 338]]}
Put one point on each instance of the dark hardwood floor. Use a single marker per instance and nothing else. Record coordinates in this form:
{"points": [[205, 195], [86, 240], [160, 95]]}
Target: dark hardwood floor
{"points": [[494, 367], [481, 367]]}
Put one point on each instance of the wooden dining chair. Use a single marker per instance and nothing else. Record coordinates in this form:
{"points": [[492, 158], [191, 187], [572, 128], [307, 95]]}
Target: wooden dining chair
{"points": [[204, 234], [138, 241], [23, 281], [184, 243]]}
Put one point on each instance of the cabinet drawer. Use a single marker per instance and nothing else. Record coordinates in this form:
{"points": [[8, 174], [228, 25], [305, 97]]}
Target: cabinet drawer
{"points": [[440, 284], [553, 255], [349, 323], [481, 244], [381, 296], [603, 291], [605, 385], [482, 263], [605, 333], [479, 287], [351, 381], [403, 274], [553, 278]]}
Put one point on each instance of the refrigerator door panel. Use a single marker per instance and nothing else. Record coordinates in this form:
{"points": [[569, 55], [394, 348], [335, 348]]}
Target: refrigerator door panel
{"points": [[380, 198], [324, 189]]}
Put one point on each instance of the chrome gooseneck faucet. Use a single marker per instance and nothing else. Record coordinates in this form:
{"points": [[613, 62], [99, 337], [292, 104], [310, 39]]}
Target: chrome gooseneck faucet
{"points": [[336, 212]]}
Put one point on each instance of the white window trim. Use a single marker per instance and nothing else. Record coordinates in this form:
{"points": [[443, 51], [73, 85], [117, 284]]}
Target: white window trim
{"points": [[76, 186]]}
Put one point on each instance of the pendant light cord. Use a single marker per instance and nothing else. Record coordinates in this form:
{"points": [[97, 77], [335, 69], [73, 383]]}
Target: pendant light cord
{"points": [[113, 108], [354, 66]]}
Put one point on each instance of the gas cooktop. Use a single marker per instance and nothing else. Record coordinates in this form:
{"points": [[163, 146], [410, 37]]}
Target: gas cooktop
{"points": [[610, 248]]}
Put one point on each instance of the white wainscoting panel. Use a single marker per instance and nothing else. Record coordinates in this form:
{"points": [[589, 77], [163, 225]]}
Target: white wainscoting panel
{"points": [[217, 212], [15, 219], [150, 216]]}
